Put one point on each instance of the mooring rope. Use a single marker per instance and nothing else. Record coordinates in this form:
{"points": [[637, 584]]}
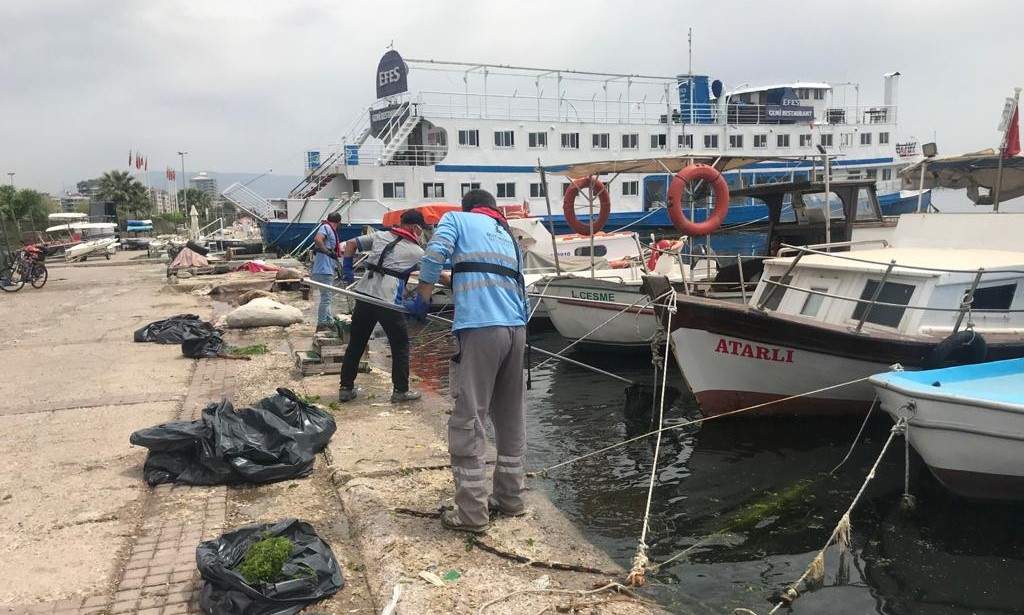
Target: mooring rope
{"points": [[546, 470], [856, 438]]}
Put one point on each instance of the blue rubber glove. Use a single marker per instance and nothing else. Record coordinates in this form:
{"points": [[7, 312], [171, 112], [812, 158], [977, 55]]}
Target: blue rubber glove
{"points": [[416, 307], [347, 275]]}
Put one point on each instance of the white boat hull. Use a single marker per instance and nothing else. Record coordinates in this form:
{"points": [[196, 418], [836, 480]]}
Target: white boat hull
{"points": [[578, 306]]}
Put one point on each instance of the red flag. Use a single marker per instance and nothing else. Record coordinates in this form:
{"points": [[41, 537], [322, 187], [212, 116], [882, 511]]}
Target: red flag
{"points": [[1012, 147]]}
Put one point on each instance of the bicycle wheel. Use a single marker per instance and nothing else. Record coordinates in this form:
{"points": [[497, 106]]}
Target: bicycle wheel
{"points": [[11, 279], [39, 275]]}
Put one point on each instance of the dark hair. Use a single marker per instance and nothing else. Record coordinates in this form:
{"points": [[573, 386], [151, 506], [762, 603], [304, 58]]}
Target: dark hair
{"points": [[478, 198], [413, 216], [334, 217]]}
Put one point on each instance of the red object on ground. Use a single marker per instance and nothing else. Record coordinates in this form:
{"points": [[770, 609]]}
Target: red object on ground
{"points": [[569, 204], [675, 194], [256, 267], [1013, 135], [432, 213]]}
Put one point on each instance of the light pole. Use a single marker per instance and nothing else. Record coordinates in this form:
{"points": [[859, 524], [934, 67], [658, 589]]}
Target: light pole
{"points": [[10, 175], [184, 188]]}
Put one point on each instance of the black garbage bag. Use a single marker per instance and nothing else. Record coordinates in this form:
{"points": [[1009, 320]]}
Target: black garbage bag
{"points": [[204, 347], [175, 330], [311, 572], [276, 439]]}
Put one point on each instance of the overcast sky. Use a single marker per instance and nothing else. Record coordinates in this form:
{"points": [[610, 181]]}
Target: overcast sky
{"points": [[248, 86]]}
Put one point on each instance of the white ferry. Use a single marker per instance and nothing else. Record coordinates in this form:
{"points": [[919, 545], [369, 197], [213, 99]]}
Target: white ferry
{"points": [[489, 126]]}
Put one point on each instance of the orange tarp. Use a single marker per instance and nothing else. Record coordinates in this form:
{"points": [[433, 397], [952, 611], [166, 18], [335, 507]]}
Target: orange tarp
{"points": [[432, 213]]}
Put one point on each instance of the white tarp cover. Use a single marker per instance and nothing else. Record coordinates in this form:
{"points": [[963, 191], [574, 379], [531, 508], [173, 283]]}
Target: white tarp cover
{"points": [[970, 172]]}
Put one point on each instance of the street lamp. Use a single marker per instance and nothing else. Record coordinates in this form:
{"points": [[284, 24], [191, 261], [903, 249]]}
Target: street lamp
{"points": [[929, 150], [184, 189]]}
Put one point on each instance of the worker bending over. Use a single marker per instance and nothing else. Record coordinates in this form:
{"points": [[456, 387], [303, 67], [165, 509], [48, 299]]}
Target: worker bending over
{"points": [[393, 255], [490, 332]]}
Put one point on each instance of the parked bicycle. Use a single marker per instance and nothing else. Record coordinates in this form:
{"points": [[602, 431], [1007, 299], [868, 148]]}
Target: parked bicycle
{"points": [[27, 266]]}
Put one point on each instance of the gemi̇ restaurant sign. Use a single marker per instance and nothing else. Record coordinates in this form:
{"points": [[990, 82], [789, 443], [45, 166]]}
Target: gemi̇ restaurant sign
{"points": [[784, 106], [392, 75]]}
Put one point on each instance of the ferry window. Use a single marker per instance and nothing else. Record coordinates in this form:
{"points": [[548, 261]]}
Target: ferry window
{"points": [[685, 141], [805, 140], [630, 188], [883, 138], [470, 186], [802, 94], [599, 140], [657, 141], [813, 302], [469, 138], [845, 139], [355, 185], [782, 140], [506, 190], [886, 174], [819, 94], [394, 190], [871, 173], [994, 297], [504, 138], [538, 139], [433, 190], [780, 291], [735, 140], [711, 141], [570, 140], [585, 251], [538, 190], [630, 141], [760, 140], [865, 138], [825, 140], [885, 315]]}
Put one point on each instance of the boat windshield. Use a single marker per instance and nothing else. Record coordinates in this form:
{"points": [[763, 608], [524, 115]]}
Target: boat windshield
{"points": [[815, 201]]}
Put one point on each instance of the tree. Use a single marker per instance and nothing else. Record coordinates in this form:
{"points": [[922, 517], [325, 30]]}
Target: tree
{"points": [[197, 198], [25, 207], [126, 193]]}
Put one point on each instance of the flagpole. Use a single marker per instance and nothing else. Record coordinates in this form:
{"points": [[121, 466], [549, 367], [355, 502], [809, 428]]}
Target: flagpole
{"points": [[1002, 150]]}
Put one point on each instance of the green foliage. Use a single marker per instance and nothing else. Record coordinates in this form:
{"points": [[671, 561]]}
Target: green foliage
{"points": [[249, 351], [168, 223], [195, 197], [126, 193], [25, 206], [264, 560]]}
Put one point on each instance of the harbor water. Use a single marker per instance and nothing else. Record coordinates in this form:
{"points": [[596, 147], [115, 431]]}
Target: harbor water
{"points": [[753, 500]]}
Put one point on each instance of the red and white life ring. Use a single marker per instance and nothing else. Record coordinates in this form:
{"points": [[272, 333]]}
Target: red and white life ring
{"points": [[675, 193], [569, 204]]}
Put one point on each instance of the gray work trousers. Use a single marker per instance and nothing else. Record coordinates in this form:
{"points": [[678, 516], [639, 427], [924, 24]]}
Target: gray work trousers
{"points": [[487, 380]]}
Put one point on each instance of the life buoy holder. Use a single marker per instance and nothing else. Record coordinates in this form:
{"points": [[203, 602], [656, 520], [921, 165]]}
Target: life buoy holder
{"points": [[569, 204], [675, 194]]}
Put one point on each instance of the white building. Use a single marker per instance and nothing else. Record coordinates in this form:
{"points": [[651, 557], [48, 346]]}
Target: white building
{"points": [[205, 183]]}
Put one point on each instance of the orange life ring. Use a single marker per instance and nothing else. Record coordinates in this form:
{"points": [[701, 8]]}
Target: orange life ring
{"points": [[675, 194], [569, 204]]}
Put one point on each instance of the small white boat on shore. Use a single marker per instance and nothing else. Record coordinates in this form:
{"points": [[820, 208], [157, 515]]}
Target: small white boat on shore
{"points": [[966, 422], [105, 246]]}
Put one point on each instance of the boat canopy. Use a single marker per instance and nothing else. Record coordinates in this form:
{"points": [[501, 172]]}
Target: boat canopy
{"points": [[971, 172], [661, 164], [68, 215], [82, 226]]}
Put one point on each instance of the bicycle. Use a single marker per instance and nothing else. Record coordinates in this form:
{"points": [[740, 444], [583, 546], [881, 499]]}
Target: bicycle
{"points": [[27, 266]]}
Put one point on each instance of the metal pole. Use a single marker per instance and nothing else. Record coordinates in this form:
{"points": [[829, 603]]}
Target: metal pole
{"points": [[874, 296], [590, 222], [551, 224], [1002, 148], [920, 185], [184, 189], [743, 283], [828, 202], [969, 300]]}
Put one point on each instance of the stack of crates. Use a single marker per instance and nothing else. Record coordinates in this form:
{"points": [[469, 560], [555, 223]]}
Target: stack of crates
{"points": [[328, 350]]}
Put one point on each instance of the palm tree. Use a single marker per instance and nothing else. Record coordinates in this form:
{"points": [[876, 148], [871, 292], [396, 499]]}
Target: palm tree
{"points": [[126, 192]]}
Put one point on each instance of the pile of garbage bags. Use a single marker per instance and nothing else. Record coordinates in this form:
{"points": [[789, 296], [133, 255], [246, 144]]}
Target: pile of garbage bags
{"points": [[278, 438], [311, 572], [175, 330]]}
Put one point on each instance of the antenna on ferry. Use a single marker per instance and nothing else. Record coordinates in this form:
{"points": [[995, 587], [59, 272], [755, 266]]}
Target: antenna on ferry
{"points": [[689, 45]]}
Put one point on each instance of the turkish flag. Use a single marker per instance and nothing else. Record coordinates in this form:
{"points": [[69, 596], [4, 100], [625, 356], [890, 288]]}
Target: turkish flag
{"points": [[1013, 135]]}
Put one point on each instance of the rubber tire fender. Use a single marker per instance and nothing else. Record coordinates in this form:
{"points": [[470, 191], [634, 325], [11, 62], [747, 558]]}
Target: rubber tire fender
{"points": [[961, 348]]}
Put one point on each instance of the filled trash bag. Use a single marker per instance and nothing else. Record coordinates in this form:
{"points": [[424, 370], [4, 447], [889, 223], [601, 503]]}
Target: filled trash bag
{"points": [[174, 330], [311, 572], [204, 347], [276, 439]]}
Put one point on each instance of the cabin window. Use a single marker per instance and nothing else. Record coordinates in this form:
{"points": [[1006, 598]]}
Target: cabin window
{"points": [[782, 140], [504, 138], [657, 141], [685, 141], [865, 138], [825, 140], [886, 174], [779, 292], [570, 140], [816, 200], [871, 173], [735, 140], [469, 138], [585, 251], [760, 140], [432, 190], [885, 315], [813, 302], [394, 190], [819, 94], [538, 190], [538, 139], [599, 140], [865, 206], [506, 190], [993, 297], [631, 141], [711, 141], [469, 186], [805, 140], [630, 188]]}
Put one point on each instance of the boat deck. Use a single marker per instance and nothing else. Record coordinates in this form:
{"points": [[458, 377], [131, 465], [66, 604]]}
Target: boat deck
{"points": [[997, 381]]}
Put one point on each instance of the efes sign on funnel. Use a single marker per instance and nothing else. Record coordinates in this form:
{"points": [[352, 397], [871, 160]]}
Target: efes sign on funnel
{"points": [[391, 75]]}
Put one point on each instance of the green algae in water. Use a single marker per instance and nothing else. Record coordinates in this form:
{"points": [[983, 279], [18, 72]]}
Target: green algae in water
{"points": [[264, 560], [772, 504]]}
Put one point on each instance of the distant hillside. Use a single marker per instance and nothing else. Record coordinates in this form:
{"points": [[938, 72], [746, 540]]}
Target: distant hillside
{"points": [[269, 186]]}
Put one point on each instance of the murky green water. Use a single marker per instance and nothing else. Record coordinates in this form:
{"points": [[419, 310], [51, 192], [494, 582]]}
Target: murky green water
{"points": [[757, 497]]}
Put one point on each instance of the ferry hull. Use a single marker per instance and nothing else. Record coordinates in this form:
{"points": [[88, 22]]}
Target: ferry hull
{"points": [[283, 236]]}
